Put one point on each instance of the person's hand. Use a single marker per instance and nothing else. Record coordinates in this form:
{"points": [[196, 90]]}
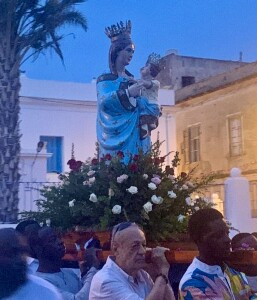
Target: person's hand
{"points": [[160, 261], [90, 260], [135, 89], [145, 83]]}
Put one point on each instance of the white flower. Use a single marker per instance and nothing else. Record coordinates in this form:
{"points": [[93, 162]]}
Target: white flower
{"points": [[152, 186], [184, 187], [90, 173], [145, 176], [116, 210], [156, 180], [171, 194], [93, 197], [110, 192], [132, 190], [91, 180], [197, 208], [181, 218], [156, 200], [71, 203], [86, 182], [121, 178], [188, 201], [148, 207], [192, 203], [171, 177]]}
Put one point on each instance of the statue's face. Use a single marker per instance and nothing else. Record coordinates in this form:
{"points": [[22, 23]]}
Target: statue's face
{"points": [[125, 56], [145, 71]]}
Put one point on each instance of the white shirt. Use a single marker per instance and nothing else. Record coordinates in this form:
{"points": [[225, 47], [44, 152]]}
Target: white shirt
{"points": [[112, 283], [36, 288]]}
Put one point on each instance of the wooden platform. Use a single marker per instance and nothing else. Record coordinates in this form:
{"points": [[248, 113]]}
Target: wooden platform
{"points": [[179, 252], [183, 256]]}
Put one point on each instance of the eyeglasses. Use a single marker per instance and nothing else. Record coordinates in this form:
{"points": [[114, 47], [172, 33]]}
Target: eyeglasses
{"points": [[119, 227]]}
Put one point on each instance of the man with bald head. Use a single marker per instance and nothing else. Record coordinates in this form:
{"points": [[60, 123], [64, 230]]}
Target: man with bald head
{"points": [[15, 284], [123, 277]]}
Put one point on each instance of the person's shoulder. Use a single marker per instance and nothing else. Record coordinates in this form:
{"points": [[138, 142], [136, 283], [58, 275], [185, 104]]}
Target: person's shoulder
{"points": [[44, 287], [190, 273], [104, 274], [39, 281], [108, 274], [106, 77]]}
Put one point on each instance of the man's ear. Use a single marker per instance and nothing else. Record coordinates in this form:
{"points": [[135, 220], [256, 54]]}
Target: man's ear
{"points": [[115, 247]]}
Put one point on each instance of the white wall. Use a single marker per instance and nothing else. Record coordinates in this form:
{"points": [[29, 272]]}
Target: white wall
{"points": [[69, 110]]}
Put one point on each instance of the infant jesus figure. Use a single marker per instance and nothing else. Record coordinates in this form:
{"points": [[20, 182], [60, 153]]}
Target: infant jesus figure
{"points": [[150, 110]]}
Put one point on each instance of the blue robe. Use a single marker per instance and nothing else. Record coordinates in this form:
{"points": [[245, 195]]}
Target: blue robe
{"points": [[118, 118]]}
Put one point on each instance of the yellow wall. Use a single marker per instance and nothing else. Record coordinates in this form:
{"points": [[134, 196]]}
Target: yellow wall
{"points": [[211, 112]]}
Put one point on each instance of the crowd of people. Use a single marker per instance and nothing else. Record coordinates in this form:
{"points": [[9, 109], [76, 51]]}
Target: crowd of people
{"points": [[31, 257]]}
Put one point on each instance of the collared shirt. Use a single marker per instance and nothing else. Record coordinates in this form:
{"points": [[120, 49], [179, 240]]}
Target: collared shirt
{"points": [[111, 282], [68, 283], [32, 264], [202, 281]]}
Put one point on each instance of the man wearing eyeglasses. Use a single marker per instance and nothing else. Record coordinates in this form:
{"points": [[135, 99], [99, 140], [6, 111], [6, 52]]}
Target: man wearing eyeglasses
{"points": [[123, 277]]}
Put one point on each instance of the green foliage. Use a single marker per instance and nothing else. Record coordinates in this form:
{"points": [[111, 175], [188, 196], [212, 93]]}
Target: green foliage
{"points": [[112, 184]]}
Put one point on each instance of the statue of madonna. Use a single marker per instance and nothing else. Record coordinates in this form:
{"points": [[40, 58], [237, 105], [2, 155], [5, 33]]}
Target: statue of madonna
{"points": [[119, 100]]}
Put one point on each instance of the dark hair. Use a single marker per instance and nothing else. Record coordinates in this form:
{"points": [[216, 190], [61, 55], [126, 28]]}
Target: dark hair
{"points": [[235, 242], [21, 227], [13, 268], [34, 238], [199, 221]]}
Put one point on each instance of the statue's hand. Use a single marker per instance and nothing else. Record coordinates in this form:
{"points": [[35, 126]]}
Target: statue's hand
{"points": [[135, 89]]}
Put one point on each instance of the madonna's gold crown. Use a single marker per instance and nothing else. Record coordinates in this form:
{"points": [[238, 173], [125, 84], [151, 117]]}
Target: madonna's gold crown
{"points": [[119, 31]]}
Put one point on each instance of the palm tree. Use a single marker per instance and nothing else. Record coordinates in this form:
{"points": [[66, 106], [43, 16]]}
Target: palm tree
{"points": [[27, 28]]}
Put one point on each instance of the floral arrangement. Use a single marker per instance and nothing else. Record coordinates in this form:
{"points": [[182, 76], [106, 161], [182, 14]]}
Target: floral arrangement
{"points": [[100, 193]]}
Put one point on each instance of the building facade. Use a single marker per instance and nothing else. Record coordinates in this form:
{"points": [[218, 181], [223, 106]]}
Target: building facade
{"points": [[180, 71], [62, 114], [216, 125]]}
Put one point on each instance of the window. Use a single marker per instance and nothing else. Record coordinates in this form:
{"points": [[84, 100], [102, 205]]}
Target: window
{"points": [[187, 80], [235, 135], [54, 145], [192, 144]]}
